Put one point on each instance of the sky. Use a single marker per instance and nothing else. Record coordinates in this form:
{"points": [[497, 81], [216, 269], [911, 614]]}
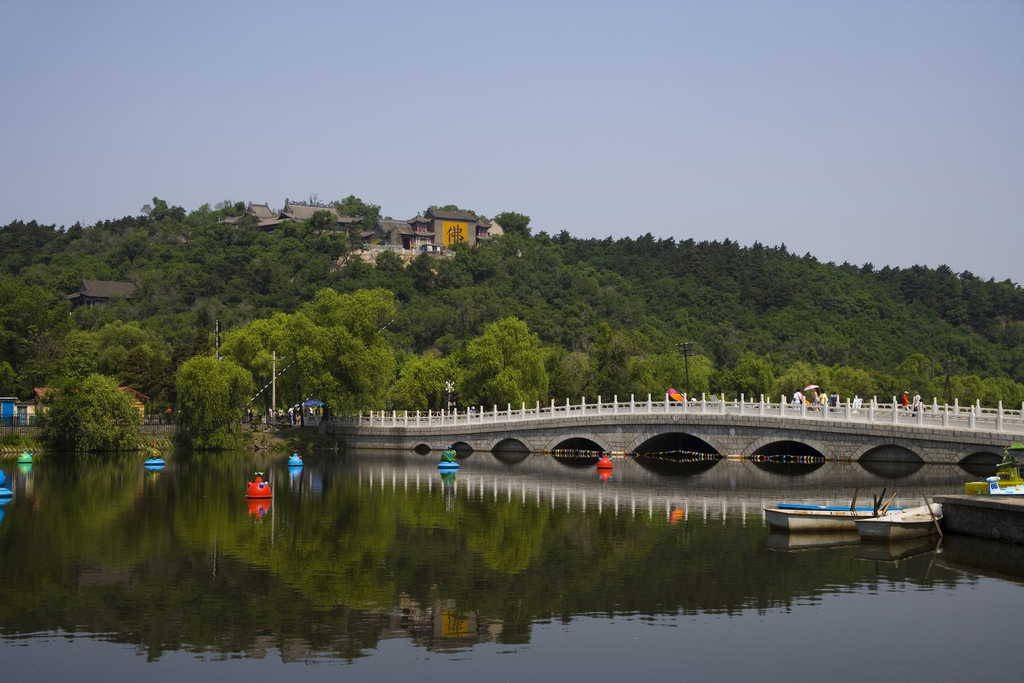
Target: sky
{"points": [[885, 132]]}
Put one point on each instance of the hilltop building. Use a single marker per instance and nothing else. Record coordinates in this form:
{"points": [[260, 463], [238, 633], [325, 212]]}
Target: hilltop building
{"points": [[99, 292]]}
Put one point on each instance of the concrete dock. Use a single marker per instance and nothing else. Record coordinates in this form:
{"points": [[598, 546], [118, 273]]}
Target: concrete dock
{"points": [[999, 518]]}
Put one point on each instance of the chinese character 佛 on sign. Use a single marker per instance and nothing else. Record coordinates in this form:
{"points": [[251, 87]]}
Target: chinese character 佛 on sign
{"points": [[454, 232]]}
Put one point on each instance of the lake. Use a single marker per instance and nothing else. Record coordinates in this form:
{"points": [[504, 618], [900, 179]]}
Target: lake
{"points": [[373, 565]]}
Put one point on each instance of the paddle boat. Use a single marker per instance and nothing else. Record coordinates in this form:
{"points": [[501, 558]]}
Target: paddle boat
{"points": [[448, 463], [995, 489], [258, 488], [295, 460], [605, 463], [25, 458], [5, 493], [895, 526], [1008, 474], [154, 461]]}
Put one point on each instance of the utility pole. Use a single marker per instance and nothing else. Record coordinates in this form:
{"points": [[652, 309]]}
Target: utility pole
{"points": [[686, 348], [273, 384]]}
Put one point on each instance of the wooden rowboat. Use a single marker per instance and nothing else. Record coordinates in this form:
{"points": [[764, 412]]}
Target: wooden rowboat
{"points": [[815, 520], [894, 526]]}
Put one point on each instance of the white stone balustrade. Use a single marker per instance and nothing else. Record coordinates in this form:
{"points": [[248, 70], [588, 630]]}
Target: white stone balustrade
{"points": [[998, 419]]}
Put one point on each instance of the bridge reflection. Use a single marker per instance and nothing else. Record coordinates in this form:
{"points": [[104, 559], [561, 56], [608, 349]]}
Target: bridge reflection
{"points": [[712, 489]]}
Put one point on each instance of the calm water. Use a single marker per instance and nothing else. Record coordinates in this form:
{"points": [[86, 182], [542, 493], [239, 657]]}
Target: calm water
{"points": [[372, 565]]}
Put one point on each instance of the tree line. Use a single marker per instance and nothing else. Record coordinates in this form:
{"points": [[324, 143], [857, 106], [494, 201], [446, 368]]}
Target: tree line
{"points": [[521, 318]]}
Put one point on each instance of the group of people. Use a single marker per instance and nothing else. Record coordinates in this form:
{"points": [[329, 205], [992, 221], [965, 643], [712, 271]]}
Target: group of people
{"points": [[914, 404], [817, 399]]}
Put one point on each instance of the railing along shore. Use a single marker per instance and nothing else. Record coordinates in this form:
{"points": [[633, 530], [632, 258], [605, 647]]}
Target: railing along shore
{"points": [[859, 411]]}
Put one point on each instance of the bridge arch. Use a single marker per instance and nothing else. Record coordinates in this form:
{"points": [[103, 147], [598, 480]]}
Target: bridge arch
{"points": [[510, 451], [462, 449], [899, 443], [981, 461], [577, 443], [644, 440], [891, 458], [758, 446]]}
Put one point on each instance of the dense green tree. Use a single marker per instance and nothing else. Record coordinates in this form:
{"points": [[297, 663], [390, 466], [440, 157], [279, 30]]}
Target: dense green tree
{"points": [[505, 365], [421, 382], [514, 223], [91, 415], [212, 395]]}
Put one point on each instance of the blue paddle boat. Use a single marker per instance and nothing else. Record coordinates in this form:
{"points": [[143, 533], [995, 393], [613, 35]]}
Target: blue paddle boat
{"points": [[154, 462], [448, 463], [295, 460], [5, 493]]}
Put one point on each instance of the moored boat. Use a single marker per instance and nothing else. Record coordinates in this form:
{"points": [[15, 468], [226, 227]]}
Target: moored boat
{"points": [[894, 526], [799, 517], [815, 520]]}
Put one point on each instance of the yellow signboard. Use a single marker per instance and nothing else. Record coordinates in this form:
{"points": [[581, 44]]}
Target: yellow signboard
{"points": [[454, 232]]}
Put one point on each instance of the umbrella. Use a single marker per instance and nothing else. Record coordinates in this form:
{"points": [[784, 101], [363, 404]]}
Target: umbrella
{"points": [[313, 402], [810, 386], [675, 395]]}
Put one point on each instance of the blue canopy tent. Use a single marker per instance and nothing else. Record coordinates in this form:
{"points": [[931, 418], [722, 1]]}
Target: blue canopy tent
{"points": [[312, 402]]}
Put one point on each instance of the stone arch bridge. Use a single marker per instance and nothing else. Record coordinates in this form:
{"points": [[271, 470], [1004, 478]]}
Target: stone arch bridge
{"points": [[851, 432]]}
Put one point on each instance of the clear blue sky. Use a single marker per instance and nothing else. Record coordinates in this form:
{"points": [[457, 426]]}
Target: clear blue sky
{"points": [[890, 132]]}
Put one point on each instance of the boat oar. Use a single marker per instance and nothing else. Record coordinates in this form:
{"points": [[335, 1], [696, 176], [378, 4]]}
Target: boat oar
{"points": [[885, 508], [853, 505], [932, 513], [877, 502]]}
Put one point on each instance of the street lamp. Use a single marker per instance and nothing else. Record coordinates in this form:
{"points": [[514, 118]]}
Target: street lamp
{"points": [[686, 348], [449, 389], [949, 365]]}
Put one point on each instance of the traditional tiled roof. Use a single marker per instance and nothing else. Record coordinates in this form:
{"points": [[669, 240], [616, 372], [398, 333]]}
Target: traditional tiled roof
{"points": [[103, 289], [300, 211], [402, 227], [452, 215], [418, 219], [261, 211]]}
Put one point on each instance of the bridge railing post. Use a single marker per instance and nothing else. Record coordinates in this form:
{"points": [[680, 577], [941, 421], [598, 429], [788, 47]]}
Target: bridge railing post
{"points": [[650, 403], [615, 404], [523, 413], [632, 404], [536, 414], [970, 419], [920, 414], [703, 403], [599, 404], [803, 409], [999, 417], [741, 404]]}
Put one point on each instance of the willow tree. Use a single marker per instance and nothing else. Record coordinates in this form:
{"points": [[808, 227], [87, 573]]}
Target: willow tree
{"points": [[332, 347], [92, 415], [505, 365], [212, 395]]}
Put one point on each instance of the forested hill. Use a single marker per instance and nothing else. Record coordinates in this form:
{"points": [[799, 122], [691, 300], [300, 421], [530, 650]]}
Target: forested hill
{"points": [[763, 319]]}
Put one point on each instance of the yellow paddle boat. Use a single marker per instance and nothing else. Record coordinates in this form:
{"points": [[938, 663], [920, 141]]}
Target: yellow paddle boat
{"points": [[1008, 472]]}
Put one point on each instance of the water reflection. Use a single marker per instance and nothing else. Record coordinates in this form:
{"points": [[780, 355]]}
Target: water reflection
{"points": [[355, 549]]}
